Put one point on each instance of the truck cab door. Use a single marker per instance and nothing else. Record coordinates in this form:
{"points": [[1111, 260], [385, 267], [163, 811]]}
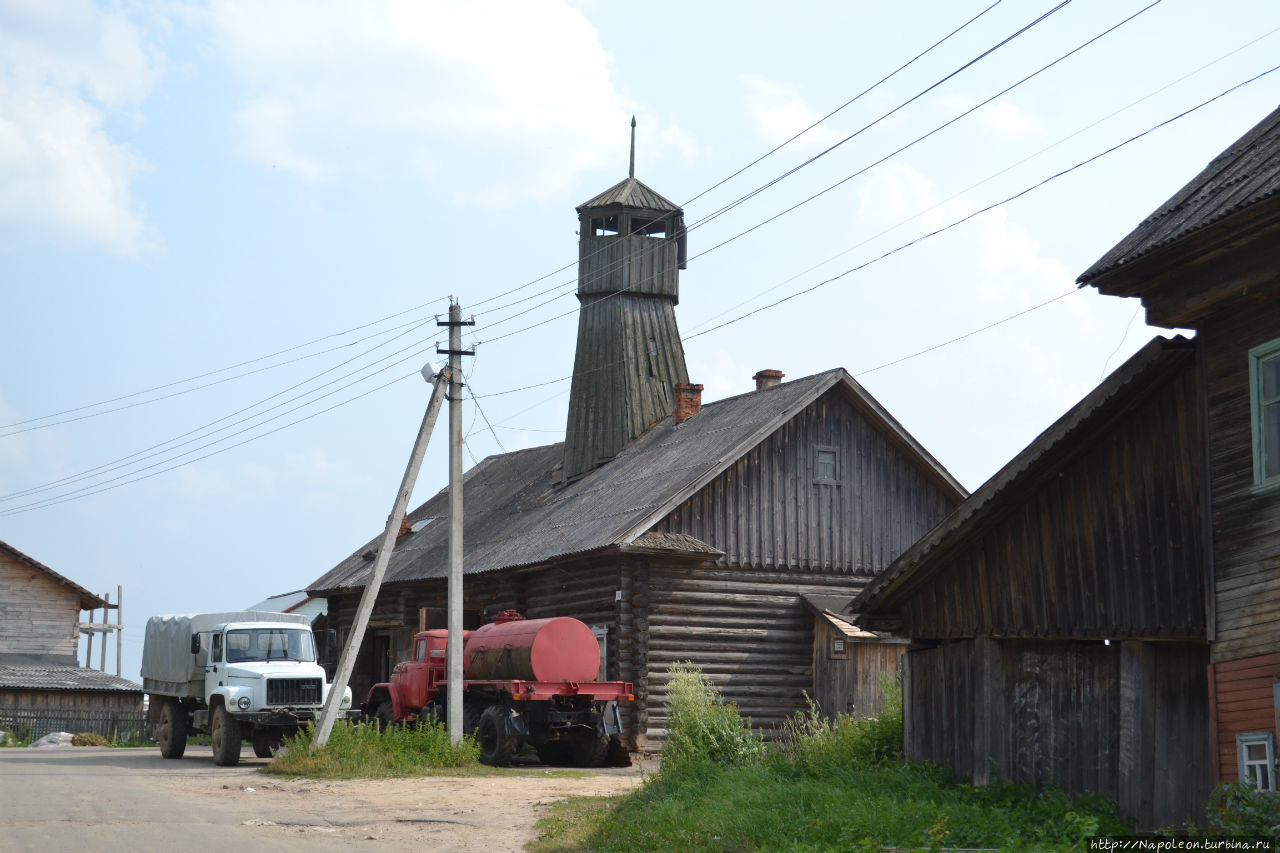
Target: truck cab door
{"points": [[213, 664]]}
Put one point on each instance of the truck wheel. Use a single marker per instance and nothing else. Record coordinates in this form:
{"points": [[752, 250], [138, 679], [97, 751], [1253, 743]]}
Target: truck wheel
{"points": [[553, 752], [171, 734], [495, 745], [385, 715], [224, 732], [264, 745], [590, 749]]}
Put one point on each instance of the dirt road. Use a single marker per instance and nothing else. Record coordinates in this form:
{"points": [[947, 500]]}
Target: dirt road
{"points": [[131, 799]]}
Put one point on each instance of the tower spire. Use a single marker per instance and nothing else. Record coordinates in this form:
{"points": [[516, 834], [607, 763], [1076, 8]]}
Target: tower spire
{"points": [[631, 173]]}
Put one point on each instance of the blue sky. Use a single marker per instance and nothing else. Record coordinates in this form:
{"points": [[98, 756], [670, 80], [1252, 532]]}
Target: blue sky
{"points": [[185, 187]]}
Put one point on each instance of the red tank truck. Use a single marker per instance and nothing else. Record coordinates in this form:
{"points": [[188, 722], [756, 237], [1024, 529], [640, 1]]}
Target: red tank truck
{"points": [[525, 681]]}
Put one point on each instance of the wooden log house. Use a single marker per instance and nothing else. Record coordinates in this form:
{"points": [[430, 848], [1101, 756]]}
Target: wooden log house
{"points": [[1104, 613], [678, 531]]}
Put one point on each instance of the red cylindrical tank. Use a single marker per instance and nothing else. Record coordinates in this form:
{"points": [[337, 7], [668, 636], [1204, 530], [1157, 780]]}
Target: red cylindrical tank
{"points": [[556, 649]]}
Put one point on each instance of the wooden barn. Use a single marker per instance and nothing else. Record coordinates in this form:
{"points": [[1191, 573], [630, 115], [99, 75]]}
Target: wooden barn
{"points": [[678, 531], [1209, 260], [39, 630], [1104, 613], [1057, 618]]}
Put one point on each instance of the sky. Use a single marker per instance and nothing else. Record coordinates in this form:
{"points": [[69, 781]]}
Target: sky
{"points": [[227, 228]]}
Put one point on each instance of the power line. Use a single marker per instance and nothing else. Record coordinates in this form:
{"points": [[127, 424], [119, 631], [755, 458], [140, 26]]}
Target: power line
{"points": [[864, 169]]}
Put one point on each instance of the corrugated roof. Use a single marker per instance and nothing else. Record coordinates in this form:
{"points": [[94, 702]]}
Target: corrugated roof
{"points": [[38, 677], [1246, 173], [1135, 375], [516, 516], [282, 603], [630, 192], [88, 601]]}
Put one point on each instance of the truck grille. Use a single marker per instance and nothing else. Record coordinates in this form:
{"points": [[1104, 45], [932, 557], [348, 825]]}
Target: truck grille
{"points": [[293, 691]]}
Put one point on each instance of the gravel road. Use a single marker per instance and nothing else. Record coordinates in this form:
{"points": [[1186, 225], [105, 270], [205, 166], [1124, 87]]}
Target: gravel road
{"points": [[86, 798]]}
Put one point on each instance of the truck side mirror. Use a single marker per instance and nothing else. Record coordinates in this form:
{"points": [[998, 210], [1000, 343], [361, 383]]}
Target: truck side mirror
{"points": [[195, 644], [331, 643]]}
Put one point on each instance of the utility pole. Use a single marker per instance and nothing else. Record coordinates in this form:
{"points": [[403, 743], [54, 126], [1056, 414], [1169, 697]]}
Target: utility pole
{"points": [[453, 658], [347, 661]]}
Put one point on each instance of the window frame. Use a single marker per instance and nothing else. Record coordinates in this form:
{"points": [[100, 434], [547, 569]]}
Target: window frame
{"points": [[818, 450], [1262, 484], [1243, 741]]}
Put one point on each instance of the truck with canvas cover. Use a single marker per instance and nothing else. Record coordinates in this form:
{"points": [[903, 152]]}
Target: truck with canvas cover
{"points": [[528, 681], [236, 676]]}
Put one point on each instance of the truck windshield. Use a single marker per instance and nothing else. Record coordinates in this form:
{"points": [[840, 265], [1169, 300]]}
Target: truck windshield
{"points": [[260, 644]]}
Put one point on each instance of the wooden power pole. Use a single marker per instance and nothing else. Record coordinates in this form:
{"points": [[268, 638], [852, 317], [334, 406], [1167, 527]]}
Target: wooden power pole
{"points": [[347, 660]]}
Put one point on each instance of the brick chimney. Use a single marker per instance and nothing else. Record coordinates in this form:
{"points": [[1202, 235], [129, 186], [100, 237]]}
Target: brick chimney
{"points": [[688, 401], [768, 378]]}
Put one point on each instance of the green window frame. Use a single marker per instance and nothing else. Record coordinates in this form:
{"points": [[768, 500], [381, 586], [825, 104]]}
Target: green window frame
{"points": [[1264, 408]]}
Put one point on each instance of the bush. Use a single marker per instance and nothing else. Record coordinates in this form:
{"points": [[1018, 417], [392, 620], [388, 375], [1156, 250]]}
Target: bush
{"points": [[702, 729], [1241, 809], [812, 743], [363, 751]]}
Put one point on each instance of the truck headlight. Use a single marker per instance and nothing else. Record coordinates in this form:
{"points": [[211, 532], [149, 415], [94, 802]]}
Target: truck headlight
{"points": [[243, 703]]}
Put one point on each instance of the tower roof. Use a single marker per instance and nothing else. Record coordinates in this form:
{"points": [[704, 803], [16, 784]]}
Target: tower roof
{"points": [[630, 192]]}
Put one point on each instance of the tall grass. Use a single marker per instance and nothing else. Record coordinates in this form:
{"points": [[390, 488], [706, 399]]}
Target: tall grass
{"points": [[838, 784], [363, 751]]}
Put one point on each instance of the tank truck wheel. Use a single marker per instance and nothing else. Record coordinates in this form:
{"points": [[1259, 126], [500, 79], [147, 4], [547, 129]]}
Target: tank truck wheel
{"points": [[385, 715], [224, 733], [471, 717], [553, 752], [495, 745], [172, 731], [264, 746], [590, 749]]}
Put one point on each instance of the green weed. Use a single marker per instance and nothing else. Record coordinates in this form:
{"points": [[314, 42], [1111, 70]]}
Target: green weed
{"points": [[361, 751]]}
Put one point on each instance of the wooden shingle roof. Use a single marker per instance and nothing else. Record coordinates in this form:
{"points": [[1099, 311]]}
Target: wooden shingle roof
{"points": [[516, 516], [1242, 176], [56, 677], [630, 192]]}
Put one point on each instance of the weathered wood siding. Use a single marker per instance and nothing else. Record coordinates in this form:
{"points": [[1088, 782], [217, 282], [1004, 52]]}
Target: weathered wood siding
{"points": [[851, 684], [619, 389], [1127, 720], [38, 616], [1243, 695], [770, 510], [1246, 528], [628, 263], [1108, 545]]}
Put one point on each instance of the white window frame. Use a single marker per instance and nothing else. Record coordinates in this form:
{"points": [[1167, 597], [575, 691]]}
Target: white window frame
{"points": [[1265, 781]]}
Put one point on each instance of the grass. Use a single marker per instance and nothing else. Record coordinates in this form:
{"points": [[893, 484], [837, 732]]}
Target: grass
{"points": [[822, 785], [361, 751]]}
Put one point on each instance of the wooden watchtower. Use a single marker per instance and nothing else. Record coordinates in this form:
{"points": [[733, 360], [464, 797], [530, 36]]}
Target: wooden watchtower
{"points": [[629, 355]]}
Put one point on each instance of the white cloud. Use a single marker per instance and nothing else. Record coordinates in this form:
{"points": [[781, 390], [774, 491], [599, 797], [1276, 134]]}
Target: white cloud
{"points": [[779, 112], [64, 68], [999, 117], [490, 102]]}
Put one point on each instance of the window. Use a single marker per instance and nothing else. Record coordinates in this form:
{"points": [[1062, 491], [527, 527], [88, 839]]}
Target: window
{"points": [[1264, 403], [826, 465], [1257, 757]]}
